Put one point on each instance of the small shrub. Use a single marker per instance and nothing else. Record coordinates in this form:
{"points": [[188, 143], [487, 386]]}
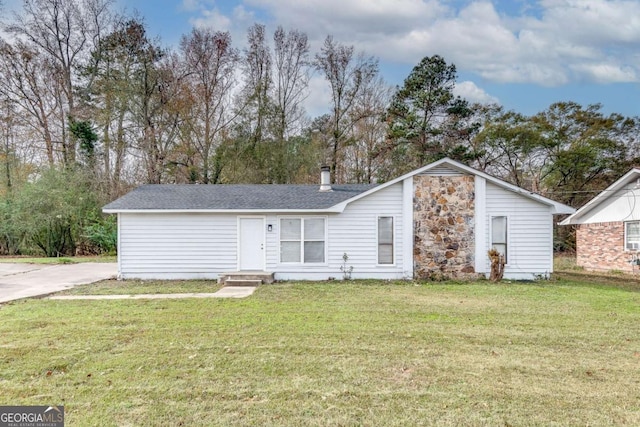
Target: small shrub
{"points": [[436, 276], [497, 265], [102, 236], [346, 269]]}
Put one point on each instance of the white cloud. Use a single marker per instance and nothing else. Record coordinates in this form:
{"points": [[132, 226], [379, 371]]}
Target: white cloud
{"points": [[190, 5], [322, 17], [607, 73], [548, 50], [212, 18], [319, 99], [208, 14], [550, 44], [472, 93], [242, 15], [366, 24], [592, 22]]}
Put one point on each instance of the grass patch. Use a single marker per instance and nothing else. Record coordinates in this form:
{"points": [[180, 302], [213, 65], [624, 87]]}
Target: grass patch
{"points": [[565, 268], [136, 287], [600, 280], [551, 353], [56, 260], [565, 263]]}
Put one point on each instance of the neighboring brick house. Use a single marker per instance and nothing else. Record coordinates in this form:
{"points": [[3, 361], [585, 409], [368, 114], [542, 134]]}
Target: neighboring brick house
{"points": [[434, 222], [608, 227]]}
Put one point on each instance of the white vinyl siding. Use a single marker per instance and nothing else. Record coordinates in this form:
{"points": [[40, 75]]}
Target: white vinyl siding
{"points": [[177, 245], [202, 245], [632, 235], [353, 232], [529, 232], [385, 240], [623, 205]]}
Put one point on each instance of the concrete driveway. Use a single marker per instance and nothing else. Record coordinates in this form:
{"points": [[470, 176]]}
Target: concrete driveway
{"points": [[31, 280]]}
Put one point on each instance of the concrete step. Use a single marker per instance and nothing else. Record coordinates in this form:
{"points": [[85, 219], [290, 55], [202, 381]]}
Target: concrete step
{"points": [[243, 282], [253, 278]]}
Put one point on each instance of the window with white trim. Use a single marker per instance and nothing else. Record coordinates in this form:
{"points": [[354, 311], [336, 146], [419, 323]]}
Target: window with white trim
{"points": [[385, 240], [302, 240], [499, 235], [632, 235]]}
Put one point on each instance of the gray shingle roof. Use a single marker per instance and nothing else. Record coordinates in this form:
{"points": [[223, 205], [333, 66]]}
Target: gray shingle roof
{"points": [[234, 197]]}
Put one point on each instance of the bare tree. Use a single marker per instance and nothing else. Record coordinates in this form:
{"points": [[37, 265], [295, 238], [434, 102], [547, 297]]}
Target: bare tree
{"points": [[291, 80], [64, 31], [158, 112], [30, 82], [211, 61], [7, 119], [347, 75], [291, 67], [116, 67], [257, 68], [366, 158]]}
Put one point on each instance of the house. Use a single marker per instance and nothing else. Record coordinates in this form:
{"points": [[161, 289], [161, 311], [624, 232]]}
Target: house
{"points": [[608, 227], [437, 221]]}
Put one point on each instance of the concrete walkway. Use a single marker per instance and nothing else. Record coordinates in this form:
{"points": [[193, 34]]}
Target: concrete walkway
{"points": [[226, 292], [19, 281]]}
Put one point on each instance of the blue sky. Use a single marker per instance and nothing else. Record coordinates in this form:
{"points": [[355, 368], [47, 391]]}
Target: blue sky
{"points": [[522, 54]]}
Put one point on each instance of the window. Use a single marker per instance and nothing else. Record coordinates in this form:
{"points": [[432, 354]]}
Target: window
{"points": [[632, 236], [290, 240], [385, 240], [302, 240], [313, 240], [499, 235]]}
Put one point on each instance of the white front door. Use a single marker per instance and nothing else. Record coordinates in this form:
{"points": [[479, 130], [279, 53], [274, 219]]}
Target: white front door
{"points": [[251, 237]]}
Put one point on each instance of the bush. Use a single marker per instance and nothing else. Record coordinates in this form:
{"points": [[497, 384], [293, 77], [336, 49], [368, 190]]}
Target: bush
{"points": [[53, 211], [11, 234], [102, 236]]}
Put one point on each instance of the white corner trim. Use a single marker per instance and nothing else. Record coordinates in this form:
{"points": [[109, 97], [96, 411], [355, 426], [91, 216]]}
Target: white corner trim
{"points": [[407, 227], [119, 246], [480, 224]]}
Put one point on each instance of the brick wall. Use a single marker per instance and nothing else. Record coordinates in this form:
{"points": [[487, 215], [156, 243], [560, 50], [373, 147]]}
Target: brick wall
{"points": [[600, 246], [444, 227]]}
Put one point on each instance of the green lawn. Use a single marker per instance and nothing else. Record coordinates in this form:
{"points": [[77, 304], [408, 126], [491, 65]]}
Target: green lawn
{"points": [[136, 287], [342, 354]]}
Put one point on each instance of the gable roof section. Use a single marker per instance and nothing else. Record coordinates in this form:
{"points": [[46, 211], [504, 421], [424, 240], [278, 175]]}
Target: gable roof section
{"points": [[556, 207], [629, 177], [234, 198], [283, 198]]}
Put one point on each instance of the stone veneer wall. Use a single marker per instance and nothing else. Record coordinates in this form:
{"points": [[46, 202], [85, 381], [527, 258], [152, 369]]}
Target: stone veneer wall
{"points": [[444, 226], [600, 246]]}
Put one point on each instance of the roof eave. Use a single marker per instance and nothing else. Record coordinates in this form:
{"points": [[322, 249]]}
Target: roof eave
{"points": [[602, 196], [566, 221], [562, 210], [556, 207], [333, 209]]}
